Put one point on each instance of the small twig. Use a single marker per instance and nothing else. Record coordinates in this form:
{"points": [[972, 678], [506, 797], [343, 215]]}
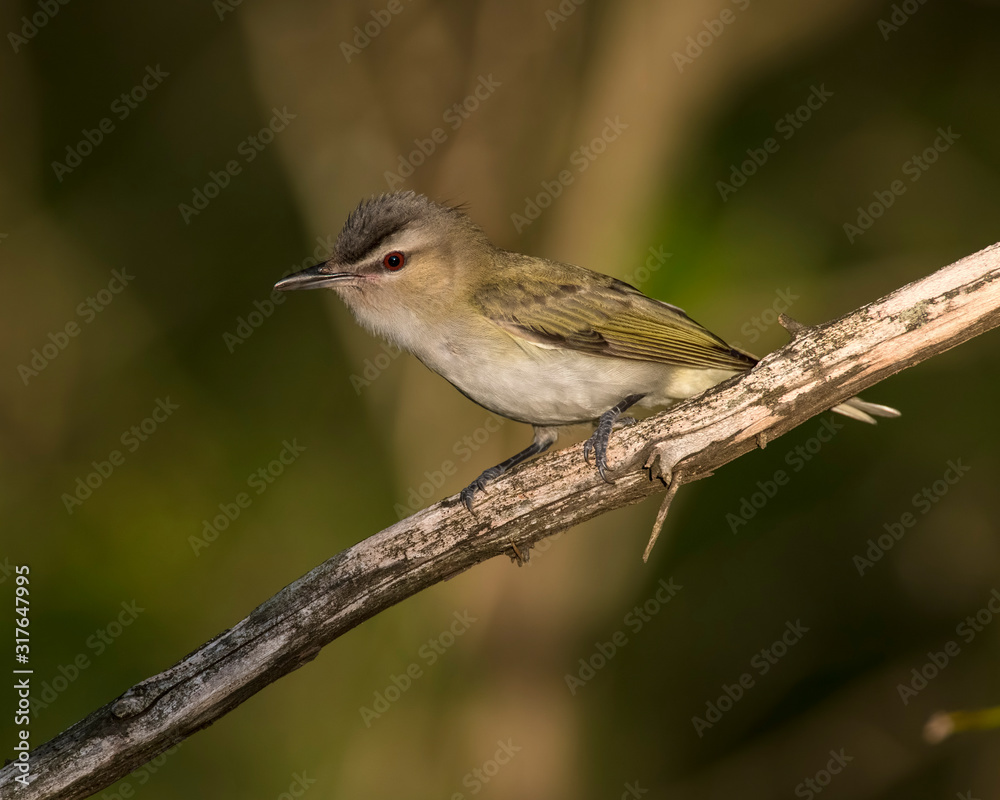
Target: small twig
{"points": [[794, 328], [676, 480]]}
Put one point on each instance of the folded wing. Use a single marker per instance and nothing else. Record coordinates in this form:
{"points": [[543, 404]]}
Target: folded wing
{"points": [[581, 310]]}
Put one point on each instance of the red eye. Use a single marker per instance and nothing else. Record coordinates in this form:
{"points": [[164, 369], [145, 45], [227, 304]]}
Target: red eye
{"points": [[394, 261]]}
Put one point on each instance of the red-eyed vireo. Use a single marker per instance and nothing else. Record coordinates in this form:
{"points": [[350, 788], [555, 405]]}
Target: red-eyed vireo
{"points": [[530, 339]]}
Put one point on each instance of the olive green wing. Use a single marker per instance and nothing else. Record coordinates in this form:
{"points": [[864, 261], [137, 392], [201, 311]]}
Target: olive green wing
{"points": [[570, 307]]}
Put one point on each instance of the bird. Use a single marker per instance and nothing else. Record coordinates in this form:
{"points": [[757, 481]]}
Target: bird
{"points": [[531, 339]]}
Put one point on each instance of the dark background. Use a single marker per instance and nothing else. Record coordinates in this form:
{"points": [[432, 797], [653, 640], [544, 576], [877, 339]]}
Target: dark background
{"points": [[369, 441]]}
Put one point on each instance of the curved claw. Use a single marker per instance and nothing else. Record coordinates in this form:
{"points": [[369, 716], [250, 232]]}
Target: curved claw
{"points": [[544, 437], [598, 445], [607, 422], [467, 495]]}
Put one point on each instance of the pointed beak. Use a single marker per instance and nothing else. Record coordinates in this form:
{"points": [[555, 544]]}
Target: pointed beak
{"points": [[319, 276]]}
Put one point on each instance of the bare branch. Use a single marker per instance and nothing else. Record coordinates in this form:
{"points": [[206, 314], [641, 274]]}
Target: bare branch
{"points": [[819, 368]]}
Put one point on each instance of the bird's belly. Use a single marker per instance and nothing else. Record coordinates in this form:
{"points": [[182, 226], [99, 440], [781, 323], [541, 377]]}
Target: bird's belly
{"points": [[554, 396], [547, 386]]}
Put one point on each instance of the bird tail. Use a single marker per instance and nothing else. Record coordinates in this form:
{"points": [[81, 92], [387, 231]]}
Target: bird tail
{"points": [[863, 411]]}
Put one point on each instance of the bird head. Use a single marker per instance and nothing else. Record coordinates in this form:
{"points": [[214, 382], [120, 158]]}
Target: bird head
{"points": [[399, 257]]}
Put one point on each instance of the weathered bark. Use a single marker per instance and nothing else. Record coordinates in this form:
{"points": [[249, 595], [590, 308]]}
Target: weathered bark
{"points": [[819, 368]]}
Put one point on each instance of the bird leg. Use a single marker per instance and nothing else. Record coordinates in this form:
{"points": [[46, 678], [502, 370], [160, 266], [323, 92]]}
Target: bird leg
{"points": [[598, 443], [544, 438]]}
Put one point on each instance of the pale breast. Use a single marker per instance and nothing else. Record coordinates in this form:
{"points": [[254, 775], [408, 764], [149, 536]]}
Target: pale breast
{"points": [[554, 386]]}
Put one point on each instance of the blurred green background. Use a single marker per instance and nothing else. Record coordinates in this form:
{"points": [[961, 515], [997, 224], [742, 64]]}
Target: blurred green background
{"points": [[690, 87]]}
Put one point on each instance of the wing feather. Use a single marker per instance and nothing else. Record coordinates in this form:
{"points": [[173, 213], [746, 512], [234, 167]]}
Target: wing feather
{"points": [[568, 306]]}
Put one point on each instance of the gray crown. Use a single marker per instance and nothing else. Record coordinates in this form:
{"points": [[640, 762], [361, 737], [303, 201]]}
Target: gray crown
{"points": [[379, 217]]}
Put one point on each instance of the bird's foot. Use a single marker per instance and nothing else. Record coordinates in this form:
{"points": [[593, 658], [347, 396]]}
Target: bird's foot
{"points": [[608, 421], [598, 442], [479, 485], [544, 437]]}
